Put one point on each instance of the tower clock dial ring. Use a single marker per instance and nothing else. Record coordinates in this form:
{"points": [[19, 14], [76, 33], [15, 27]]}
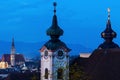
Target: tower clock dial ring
{"points": [[46, 55], [60, 54]]}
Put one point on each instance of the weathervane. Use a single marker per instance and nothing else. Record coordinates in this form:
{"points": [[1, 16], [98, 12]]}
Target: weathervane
{"points": [[108, 13], [54, 4]]}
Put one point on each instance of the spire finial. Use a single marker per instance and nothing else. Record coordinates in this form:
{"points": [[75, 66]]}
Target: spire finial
{"points": [[13, 42], [54, 4], [108, 13]]}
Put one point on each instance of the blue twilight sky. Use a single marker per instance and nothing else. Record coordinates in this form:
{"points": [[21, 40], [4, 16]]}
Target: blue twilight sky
{"points": [[82, 20]]}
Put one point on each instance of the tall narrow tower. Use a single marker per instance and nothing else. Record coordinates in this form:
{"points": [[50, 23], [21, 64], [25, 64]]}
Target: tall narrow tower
{"points": [[54, 54], [12, 56]]}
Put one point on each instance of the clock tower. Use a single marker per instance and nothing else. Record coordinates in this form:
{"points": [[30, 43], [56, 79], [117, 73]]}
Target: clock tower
{"points": [[54, 54]]}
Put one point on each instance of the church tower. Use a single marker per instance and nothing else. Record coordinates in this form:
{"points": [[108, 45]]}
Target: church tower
{"points": [[54, 54], [12, 56], [108, 34]]}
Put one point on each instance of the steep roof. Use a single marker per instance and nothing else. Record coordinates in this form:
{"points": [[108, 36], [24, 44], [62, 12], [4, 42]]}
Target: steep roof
{"points": [[104, 64], [6, 58], [18, 58]]}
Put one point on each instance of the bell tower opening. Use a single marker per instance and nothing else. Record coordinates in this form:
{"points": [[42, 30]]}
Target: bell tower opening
{"points": [[46, 73], [60, 74]]}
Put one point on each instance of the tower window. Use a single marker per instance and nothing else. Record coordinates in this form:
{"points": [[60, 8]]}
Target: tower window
{"points": [[60, 73], [46, 53], [46, 73]]}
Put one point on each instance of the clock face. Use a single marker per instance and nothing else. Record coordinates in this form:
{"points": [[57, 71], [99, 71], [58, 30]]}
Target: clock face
{"points": [[60, 54], [46, 54]]}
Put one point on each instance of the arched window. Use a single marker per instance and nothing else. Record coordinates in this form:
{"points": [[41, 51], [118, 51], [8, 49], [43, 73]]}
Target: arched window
{"points": [[46, 73], [60, 73]]}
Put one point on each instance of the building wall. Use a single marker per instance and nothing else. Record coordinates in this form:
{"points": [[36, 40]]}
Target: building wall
{"points": [[53, 63], [3, 65], [46, 63], [61, 64]]}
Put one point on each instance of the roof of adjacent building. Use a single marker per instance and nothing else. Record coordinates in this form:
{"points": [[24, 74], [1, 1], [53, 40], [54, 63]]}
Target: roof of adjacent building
{"points": [[106, 45], [104, 64]]}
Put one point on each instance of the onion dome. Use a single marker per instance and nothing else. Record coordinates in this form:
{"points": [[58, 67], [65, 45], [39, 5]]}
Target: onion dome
{"points": [[55, 45], [54, 31], [108, 34]]}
